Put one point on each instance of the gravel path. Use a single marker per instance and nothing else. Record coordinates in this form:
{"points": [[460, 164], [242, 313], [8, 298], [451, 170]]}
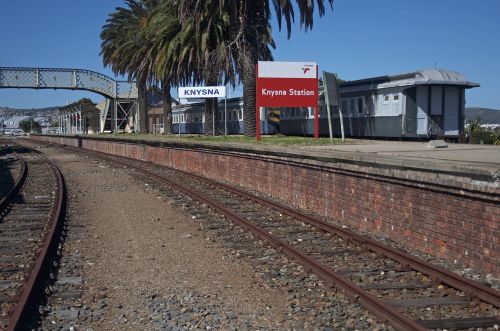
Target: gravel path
{"points": [[149, 266]]}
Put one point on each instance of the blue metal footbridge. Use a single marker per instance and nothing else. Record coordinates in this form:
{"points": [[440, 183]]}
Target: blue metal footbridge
{"points": [[124, 110]]}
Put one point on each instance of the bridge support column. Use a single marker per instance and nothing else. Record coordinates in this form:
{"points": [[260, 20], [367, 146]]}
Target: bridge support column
{"points": [[114, 118], [80, 121]]}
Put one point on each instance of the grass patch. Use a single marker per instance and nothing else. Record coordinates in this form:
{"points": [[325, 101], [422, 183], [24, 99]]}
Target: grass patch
{"points": [[278, 140]]}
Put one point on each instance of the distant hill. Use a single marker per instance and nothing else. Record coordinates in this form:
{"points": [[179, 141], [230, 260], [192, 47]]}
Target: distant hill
{"points": [[485, 115], [47, 111]]}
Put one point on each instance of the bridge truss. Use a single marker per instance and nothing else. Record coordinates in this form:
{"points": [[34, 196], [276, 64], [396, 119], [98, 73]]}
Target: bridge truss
{"points": [[124, 106]]}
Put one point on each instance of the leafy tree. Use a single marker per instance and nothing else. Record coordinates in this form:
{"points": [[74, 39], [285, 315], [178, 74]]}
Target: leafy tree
{"points": [[476, 134], [218, 22], [250, 35], [171, 62], [30, 125], [197, 41], [86, 101], [125, 46]]}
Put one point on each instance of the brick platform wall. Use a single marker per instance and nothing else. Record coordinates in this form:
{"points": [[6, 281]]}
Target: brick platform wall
{"points": [[434, 214]]}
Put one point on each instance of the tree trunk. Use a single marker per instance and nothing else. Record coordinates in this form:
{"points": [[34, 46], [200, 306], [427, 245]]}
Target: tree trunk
{"points": [[249, 120], [251, 19], [167, 109]]}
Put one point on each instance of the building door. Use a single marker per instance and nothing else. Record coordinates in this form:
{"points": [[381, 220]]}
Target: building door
{"points": [[452, 111], [422, 109], [410, 114], [437, 110]]}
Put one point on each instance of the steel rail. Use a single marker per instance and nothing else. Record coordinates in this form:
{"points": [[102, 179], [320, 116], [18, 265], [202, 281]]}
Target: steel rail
{"points": [[4, 202], [469, 287], [34, 277], [382, 310]]}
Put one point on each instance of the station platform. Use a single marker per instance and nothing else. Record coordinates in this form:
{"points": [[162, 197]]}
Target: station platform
{"points": [[463, 158], [479, 162]]}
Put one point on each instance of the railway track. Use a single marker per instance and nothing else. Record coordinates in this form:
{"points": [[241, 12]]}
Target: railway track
{"points": [[29, 218], [400, 289]]}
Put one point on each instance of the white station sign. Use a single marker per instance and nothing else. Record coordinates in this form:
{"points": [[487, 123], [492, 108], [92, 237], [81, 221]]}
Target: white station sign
{"points": [[202, 92]]}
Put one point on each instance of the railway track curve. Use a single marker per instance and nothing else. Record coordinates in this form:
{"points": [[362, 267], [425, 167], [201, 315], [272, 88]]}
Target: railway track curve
{"points": [[30, 218]]}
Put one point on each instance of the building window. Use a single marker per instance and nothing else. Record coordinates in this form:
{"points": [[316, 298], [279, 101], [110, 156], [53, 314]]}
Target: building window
{"points": [[352, 105], [344, 106], [360, 105], [387, 98], [395, 98]]}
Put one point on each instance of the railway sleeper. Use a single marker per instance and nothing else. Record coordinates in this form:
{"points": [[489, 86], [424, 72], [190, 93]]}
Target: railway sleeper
{"points": [[25, 217], [335, 252], [24, 225], [10, 239], [461, 323], [23, 209], [6, 284], [21, 231], [428, 302], [8, 298], [16, 259], [372, 272], [27, 206], [396, 286]]}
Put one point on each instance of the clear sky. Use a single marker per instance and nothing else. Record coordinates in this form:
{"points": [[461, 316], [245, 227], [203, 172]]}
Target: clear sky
{"points": [[358, 39]]}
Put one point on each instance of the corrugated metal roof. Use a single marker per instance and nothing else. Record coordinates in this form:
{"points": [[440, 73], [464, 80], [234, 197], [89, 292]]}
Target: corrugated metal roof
{"points": [[441, 76], [418, 77]]}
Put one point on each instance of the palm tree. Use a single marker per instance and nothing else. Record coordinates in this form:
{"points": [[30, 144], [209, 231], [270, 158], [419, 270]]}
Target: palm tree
{"points": [[216, 23], [166, 36], [251, 36], [125, 47], [189, 51], [209, 26], [253, 14]]}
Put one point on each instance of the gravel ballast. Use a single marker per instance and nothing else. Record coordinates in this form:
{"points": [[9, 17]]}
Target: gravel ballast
{"points": [[150, 261]]}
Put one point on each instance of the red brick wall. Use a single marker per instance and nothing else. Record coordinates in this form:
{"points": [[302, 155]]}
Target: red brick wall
{"points": [[432, 213]]}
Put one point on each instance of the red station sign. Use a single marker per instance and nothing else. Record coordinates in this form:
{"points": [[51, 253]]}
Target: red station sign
{"points": [[287, 84]]}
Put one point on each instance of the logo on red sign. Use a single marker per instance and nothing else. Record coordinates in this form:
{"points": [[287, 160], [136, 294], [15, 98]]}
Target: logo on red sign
{"points": [[287, 84]]}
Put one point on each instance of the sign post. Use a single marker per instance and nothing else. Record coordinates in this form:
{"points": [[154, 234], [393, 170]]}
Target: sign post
{"points": [[202, 92], [287, 84], [332, 94]]}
